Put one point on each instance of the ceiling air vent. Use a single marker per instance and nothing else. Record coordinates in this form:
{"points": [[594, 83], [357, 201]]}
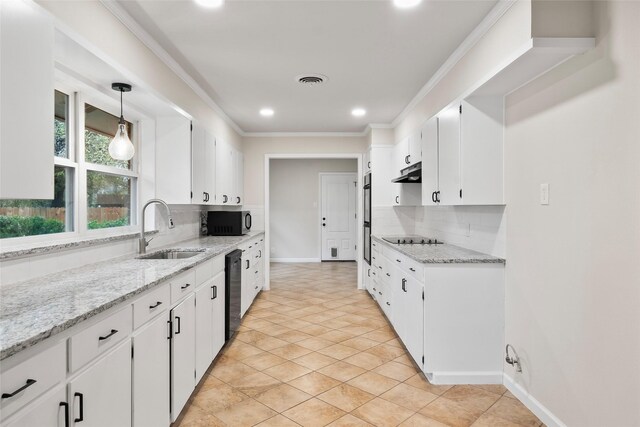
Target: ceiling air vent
{"points": [[311, 79]]}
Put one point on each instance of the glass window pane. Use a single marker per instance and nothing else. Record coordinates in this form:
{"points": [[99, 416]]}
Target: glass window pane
{"points": [[61, 125], [108, 199], [100, 128], [20, 218]]}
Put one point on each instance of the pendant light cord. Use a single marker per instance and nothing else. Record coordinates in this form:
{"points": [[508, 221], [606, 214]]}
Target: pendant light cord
{"points": [[121, 121]]}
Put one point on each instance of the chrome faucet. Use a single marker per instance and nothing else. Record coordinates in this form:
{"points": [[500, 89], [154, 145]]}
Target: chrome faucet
{"points": [[142, 242]]}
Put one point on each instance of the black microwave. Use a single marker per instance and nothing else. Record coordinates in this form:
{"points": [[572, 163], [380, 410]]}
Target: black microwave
{"points": [[228, 223]]}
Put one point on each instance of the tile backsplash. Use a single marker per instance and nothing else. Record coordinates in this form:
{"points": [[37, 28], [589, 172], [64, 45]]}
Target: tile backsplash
{"points": [[480, 228]]}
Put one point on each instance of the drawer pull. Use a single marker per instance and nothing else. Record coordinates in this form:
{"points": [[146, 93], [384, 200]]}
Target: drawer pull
{"points": [[28, 384], [151, 307], [185, 286], [412, 269], [66, 413], [109, 335], [81, 417], [388, 275], [388, 303], [256, 288], [397, 260], [380, 293], [178, 328]]}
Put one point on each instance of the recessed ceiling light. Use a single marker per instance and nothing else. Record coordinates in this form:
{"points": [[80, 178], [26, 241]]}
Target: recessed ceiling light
{"points": [[267, 112], [403, 4], [210, 3], [358, 112]]}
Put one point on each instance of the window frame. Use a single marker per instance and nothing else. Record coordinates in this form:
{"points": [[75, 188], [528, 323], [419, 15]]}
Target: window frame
{"points": [[76, 188]]}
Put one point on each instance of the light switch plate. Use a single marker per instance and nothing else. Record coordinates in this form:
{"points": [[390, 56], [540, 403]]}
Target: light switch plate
{"points": [[544, 194]]}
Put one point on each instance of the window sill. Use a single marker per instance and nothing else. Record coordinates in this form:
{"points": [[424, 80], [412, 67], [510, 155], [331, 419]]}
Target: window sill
{"points": [[46, 248]]}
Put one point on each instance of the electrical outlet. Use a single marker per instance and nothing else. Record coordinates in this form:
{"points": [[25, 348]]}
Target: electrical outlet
{"points": [[544, 194]]}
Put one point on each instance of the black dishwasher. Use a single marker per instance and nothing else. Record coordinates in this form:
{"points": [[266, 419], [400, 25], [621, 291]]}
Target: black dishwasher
{"points": [[233, 286]]}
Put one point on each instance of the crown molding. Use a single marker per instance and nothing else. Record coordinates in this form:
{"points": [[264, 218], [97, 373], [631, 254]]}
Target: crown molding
{"points": [[469, 42], [142, 35], [305, 134]]}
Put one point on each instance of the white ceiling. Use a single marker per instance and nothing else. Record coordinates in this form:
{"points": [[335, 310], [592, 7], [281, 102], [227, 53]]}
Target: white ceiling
{"points": [[246, 55]]}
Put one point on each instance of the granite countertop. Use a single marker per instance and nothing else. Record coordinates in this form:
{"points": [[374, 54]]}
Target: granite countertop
{"points": [[441, 254], [34, 310]]}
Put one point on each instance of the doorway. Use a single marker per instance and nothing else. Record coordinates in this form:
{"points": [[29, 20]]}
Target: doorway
{"points": [[338, 230]]}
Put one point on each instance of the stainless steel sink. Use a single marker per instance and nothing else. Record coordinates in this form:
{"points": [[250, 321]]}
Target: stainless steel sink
{"points": [[172, 254]]}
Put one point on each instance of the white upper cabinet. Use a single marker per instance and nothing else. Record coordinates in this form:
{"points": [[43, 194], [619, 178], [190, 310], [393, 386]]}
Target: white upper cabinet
{"points": [[239, 178], [173, 159], [366, 161], [481, 151], [470, 153], [27, 102], [449, 157], [203, 164], [414, 148], [400, 156], [224, 173], [430, 163]]}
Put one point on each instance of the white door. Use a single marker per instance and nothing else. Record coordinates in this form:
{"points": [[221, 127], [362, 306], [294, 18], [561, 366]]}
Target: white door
{"points": [[151, 374], [338, 216], [430, 162], [183, 342], [204, 328], [101, 396], [449, 156]]}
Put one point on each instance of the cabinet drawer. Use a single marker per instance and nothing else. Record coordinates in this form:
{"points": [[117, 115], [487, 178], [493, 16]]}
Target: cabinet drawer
{"points": [[32, 377], [182, 285], [95, 340], [204, 272], [148, 306], [218, 265], [414, 269]]}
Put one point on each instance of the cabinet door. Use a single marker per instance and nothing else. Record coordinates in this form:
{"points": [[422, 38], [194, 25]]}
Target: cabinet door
{"points": [[27, 102], [173, 153], [224, 168], [101, 395], [366, 161], [204, 329], [47, 412], [430, 161], [239, 178], [400, 156], [449, 156], [413, 311], [151, 374], [219, 295], [182, 354], [199, 165], [414, 148], [210, 168], [481, 155]]}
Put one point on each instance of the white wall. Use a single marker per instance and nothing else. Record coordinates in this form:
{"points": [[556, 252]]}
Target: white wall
{"points": [[294, 204], [573, 271], [255, 149]]}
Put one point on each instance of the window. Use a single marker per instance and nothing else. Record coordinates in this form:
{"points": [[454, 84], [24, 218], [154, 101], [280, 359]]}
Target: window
{"points": [[20, 218], [82, 161], [109, 181]]}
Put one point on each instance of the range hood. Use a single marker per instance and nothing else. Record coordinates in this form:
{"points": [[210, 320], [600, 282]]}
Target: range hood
{"points": [[412, 174]]}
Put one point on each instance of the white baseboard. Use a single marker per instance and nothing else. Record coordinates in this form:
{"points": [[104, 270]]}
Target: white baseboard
{"points": [[294, 260], [479, 377], [545, 415]]}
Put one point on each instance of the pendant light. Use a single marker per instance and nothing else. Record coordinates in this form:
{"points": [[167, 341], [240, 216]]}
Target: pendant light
{"points": [[121, 147]]}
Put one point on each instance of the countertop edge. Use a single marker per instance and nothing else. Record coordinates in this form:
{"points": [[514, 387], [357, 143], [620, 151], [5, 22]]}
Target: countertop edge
{"points": [[16, 348]]}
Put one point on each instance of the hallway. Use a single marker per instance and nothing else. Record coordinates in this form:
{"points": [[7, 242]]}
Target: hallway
{"points": [[315, 351]]}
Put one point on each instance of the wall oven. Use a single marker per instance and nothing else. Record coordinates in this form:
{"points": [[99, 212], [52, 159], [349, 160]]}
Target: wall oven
{"points": [[366, 197]]}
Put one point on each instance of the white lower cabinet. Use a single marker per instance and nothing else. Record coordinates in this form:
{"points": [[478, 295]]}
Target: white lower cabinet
{"points": [[101, 394], [204, 328], [450, 317], [150, 374], [49, 411], [183, 341], [219, 308]]}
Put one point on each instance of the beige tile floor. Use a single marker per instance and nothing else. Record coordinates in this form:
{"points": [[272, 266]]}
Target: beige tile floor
{"points": [[315, 351]]}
